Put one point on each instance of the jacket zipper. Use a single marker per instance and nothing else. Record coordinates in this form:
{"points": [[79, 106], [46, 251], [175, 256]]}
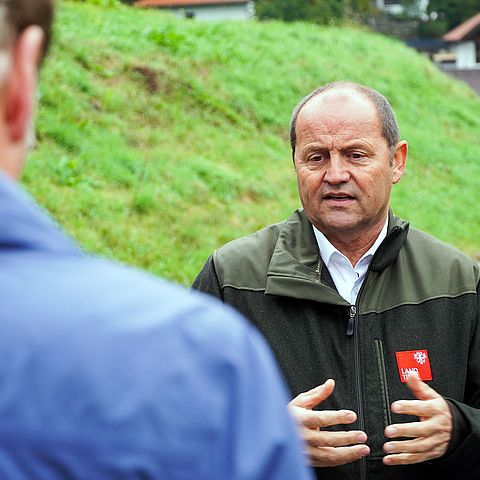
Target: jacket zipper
{"points": [[351, 320], [353, 326], [358, 384], [352, 329]]}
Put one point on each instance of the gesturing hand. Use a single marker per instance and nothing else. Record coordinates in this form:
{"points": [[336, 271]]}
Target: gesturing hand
{"points": [[325, 448], [430, 436]]}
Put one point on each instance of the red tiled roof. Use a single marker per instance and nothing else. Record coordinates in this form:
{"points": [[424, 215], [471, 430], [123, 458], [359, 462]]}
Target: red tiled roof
{"points": [[183, 3], [463, 31]]}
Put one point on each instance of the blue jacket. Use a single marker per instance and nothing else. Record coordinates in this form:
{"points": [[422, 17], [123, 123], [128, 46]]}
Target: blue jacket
{"points": [[108, 373]]}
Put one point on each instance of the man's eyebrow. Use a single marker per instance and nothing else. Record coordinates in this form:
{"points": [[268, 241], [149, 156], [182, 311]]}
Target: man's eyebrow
{"points": [[315, 147], [348, 145]]}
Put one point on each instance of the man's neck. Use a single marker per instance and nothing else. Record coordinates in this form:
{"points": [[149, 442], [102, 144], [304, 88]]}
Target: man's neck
{"points": [[354, 246], [11, 161]]}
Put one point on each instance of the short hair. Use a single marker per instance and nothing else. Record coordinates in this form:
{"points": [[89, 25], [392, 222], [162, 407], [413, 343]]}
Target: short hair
{"points": [[386, 116], [17, 15]]}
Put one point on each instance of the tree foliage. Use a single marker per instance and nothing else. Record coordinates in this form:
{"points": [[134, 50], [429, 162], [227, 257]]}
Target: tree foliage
{"points": [[411, 8], [320, 11], [103, 3], [454, 11]]}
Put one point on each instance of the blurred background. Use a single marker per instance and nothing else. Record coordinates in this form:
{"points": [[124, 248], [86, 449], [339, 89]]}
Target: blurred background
{"points": [[162, 125]]}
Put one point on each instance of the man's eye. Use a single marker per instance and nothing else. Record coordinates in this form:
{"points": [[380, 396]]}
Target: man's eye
{"points": [[317, 158], [356, 155]]}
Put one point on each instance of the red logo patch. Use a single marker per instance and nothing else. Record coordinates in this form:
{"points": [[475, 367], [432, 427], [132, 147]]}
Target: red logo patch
{"points": [[413, 361]]}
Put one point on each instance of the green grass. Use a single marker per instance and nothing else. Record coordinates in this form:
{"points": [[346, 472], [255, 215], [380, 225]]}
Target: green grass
{"points": [[161, 139]]}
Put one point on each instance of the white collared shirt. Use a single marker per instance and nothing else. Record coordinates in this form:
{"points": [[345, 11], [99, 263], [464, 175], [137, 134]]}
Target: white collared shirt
{"points": [[347, 278]]}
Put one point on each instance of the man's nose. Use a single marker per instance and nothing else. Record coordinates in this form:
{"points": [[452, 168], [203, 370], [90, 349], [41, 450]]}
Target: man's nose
{"points": [[337, 170]]}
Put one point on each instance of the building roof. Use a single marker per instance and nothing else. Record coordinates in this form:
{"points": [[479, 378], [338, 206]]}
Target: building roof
{"points": [[465, 31], [184, 3]]}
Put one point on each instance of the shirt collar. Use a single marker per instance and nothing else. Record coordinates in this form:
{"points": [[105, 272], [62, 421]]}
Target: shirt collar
{"points": [[327, 249]]}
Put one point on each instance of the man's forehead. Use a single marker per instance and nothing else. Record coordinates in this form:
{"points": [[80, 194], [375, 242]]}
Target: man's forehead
{"points": [[338, 102], [339, 113]]}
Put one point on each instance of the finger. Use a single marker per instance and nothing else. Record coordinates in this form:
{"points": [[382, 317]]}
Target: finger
{"points": [[408, 458], [422, 408], [320, 438], [418, 445], [331, 456], [314, 396], [420, 389], [323, 418], [413, 429]]}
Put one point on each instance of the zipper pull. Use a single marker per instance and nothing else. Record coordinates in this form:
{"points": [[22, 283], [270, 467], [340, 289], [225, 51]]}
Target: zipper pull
{"points": [[351, 320], [317, 271]]}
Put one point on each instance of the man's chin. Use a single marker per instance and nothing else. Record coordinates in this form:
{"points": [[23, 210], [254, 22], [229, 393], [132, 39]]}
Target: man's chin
{"points": [[341, 222]]}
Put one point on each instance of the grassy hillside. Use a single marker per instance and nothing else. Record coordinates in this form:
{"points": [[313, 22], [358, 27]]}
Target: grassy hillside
{"points": [[161, 139]]}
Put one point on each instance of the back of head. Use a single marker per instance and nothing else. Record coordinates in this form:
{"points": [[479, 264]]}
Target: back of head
{"points": [[17, 15], [25, 30], [386, 116]]}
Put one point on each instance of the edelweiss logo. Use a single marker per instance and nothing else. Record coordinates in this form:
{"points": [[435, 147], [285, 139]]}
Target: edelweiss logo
{"points": [[413, 361], [420, 357]]}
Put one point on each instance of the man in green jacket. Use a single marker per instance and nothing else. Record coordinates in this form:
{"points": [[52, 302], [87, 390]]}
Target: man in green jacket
{"points": [[374, 324]]}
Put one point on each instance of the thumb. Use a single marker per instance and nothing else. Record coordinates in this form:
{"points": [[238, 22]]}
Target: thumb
{"points": [[315, 396], [420, 389]]}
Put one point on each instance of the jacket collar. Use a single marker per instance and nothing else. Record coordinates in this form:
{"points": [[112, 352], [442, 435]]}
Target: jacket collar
{"points": [[23, 225], [390, 248], [295, 268]]}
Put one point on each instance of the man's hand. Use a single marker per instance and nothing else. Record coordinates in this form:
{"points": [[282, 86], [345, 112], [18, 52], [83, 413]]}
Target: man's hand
{"points": [[324, 448], [430, 437]]}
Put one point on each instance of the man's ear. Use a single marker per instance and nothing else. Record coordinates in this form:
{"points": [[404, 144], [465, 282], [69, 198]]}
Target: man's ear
{"points": [[399, 160], [21, 83]]}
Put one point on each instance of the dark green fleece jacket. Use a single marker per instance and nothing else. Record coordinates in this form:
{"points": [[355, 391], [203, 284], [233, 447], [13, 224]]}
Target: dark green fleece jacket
{"points": [[419, 295]]}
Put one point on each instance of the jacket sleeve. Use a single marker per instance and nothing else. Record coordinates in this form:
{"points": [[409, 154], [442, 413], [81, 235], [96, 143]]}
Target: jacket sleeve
{"points": [[207, 280], [464, 461]]}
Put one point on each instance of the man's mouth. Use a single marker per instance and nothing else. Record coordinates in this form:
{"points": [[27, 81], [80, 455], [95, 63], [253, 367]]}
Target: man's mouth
{"points": [[338, 197]]}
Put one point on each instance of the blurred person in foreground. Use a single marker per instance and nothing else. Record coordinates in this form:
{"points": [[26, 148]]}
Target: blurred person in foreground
{"points": [[375, 324], [107, 373]]}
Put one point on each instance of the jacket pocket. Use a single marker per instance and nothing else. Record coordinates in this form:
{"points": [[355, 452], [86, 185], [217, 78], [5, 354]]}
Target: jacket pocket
{"points": [[382, 375]]}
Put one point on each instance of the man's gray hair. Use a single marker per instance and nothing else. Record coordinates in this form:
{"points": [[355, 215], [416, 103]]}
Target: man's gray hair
{"points": [[388, 122]]}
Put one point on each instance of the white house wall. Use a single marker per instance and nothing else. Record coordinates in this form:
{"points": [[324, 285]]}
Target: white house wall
{"points": [[466, 55], [397, 8], [394, 8], [217, 12]]}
